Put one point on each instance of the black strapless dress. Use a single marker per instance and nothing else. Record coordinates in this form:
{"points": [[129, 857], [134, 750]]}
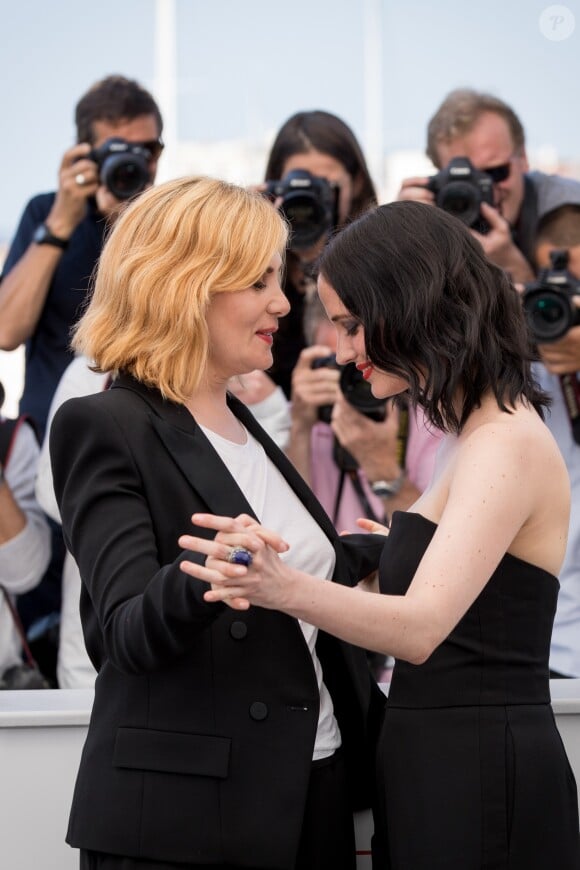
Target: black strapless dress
{"points": [[472, 772]]}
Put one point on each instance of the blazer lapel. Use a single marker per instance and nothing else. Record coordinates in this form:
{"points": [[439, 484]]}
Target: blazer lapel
{"points": [[191, 451], [202, 466], [204, 469], [283, 464]]}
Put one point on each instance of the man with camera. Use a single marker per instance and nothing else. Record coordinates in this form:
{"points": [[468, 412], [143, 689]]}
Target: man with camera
{"points": [[487, 134], [49, 265], [477, 143], [60, 235]]}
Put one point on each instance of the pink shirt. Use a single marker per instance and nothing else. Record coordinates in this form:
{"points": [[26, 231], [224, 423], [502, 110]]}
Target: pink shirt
{"points": [[422, 444]]}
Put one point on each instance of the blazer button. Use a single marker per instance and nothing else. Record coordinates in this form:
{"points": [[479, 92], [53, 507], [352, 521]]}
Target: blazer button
{"points": [[238, 630], [258, 711]]}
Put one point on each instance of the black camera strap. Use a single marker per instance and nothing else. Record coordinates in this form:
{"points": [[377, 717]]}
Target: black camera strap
{"points": [[362, 496], [349, 467], [571, 393], [525, 231]]}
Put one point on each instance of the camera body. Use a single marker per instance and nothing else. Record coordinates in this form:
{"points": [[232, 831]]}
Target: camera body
{"points": [[460, 189], [355, 390], [309, 202], [548, 300], [123, 167]]}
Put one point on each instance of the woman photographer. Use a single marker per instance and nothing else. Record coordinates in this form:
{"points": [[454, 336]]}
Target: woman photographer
{"points": [[321, 144], [215, 740]]}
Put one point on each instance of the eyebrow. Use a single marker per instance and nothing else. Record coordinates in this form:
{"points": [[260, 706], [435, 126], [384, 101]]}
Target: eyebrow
{"points": [[338, 317]]}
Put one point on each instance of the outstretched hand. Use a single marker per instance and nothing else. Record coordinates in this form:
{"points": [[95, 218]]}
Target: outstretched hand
{"points": [[236, 585]]}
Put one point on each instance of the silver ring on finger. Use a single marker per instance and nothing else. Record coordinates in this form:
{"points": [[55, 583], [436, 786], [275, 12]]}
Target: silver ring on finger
{"points": [[81, 179]]}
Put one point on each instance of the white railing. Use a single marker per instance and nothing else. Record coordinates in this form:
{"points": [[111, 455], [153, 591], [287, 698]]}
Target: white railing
{"points": [[41, 736]]}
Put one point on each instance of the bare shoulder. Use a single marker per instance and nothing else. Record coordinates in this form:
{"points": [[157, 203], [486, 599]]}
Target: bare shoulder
{"points": [[519, 437]]}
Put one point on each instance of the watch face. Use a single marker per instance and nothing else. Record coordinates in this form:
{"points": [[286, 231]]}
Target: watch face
{"points": [[43, 236], [39, 234]]}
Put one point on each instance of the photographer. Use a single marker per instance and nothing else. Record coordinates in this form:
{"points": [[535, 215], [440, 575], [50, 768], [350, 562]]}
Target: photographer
{"points": [[49, 264], [60, 235], [335, 187], [486, 131], [558, 241], [390, 460], [24, 532]]}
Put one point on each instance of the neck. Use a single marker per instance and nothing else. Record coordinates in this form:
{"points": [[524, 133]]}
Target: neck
{"points": [[209, 407]]}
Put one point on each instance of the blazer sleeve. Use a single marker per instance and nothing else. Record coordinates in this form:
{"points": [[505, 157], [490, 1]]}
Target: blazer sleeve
{"points": [[147, 613]]}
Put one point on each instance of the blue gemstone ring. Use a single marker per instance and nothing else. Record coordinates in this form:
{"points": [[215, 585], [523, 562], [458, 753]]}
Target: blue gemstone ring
{"points": [[240, 556]]}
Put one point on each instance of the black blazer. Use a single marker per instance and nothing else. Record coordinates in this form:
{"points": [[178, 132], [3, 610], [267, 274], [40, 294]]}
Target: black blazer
{"points": [[200, 741]]}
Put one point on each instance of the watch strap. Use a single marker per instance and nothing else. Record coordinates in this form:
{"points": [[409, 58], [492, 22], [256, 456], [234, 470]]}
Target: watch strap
{"points": [[43, 236], [389, 488]]}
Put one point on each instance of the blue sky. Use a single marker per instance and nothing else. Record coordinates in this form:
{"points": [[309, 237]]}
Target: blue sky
{"points": [[244, 66]]}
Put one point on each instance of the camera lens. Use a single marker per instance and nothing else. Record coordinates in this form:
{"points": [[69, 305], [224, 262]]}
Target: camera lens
{"points": [[307, 218], [358, 393], [461, 200], [549, 313], [125, 174]]}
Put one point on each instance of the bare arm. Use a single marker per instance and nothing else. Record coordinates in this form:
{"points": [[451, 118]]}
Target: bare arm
{"points": [[491, 499], [12, 519], [24, 289], [24, 532]]}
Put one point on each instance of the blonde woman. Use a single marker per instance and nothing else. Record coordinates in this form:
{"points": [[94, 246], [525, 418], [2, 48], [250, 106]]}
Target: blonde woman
{"points": [[217, 739]]}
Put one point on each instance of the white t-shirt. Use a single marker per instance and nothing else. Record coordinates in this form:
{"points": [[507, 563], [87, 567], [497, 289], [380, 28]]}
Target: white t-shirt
{"points": [[278, 508]]}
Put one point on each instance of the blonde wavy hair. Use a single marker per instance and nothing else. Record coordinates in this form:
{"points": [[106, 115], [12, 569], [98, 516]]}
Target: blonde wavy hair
{"points": [[176, 246]]}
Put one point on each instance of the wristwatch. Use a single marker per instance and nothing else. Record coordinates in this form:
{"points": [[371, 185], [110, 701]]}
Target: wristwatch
{"points": [[43, 236], [389, 488]]}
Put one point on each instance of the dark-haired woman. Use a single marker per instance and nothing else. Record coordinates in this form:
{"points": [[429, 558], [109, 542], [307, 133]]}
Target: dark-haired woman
{"points": [[472, 772], [323, 145]]}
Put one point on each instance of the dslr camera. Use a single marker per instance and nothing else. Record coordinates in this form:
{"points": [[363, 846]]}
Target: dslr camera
{"points": [[548, 300], [355, 390], [309, 202], [460, 189], [123, 167], [358, 393]]}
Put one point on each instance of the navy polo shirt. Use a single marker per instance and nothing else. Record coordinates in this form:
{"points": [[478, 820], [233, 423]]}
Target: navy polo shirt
{"points": [[47, 350]]}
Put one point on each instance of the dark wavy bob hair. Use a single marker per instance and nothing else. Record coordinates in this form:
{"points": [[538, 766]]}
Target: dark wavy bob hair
{"points": [[434, 310]]}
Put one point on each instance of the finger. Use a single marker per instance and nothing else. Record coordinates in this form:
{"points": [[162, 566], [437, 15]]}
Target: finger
{"points": [[372, 526], [238, 603], [74, 154], [226, 594], [273, 540], [226, 573], [220, 523], [209, 547], [492, 216], [243, 522], [309, 354]]}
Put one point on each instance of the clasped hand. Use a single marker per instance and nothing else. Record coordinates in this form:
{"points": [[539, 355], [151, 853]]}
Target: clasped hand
{"points": [[264, 582]]}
